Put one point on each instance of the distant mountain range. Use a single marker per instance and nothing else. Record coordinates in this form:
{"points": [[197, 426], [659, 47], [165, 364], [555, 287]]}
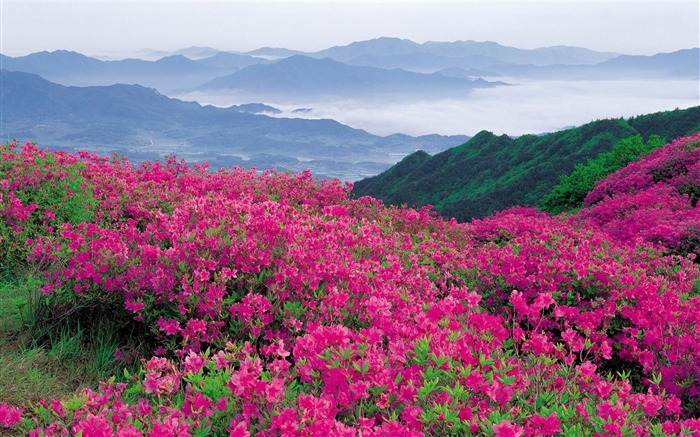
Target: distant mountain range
{"points": [[336, 69], [432, 56], [458, 49], [681, 64], [299, 76], [490, 173], [145, 124], [166, 74]]}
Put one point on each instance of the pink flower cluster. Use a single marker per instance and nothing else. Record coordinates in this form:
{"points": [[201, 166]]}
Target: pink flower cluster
{"points": [[653, 199], [283, 307]]}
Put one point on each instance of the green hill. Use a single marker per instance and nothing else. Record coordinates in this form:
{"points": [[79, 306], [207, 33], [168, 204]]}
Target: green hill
{"points": [[490, 173]]}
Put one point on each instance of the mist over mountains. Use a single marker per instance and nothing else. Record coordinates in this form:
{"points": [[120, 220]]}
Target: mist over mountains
{"points": [[275, 107], [190, 68], [165, 74], [145, 124], [302, 76]]}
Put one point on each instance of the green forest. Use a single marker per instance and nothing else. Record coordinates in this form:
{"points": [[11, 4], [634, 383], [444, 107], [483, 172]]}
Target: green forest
{"points": [[490, 173]]}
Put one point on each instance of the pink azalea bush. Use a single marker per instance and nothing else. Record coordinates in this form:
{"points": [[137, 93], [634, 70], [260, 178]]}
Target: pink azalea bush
{"points": [[653, 199], [277, 305]]}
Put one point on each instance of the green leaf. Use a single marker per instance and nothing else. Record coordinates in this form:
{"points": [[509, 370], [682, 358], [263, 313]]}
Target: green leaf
{"points": [[202, 432], [75, 403], [507, 380], [483, 361]]}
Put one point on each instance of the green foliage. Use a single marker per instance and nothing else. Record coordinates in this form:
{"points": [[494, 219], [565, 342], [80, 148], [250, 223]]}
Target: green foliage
{"points": [[572, 188], [490, 173], [59, 191], [49, 345], [669, 124]]}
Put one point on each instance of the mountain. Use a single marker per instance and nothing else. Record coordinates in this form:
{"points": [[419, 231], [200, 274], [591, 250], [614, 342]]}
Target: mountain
{"points": [[272, 53], [302, 76], [146, 124], [373, 67], [196, 53], [490, 59], [427, 62], [59, 63], [256, 108], [384, 46], [166, 74], [232, 61], [395, 47], [490, 173], [681, 64]]}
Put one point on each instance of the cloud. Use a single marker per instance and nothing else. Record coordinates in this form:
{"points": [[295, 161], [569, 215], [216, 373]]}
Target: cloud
{"points": [[531, 107]]}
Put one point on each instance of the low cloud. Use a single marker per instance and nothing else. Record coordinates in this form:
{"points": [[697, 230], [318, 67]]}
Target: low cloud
{"points": [[528, 107]]}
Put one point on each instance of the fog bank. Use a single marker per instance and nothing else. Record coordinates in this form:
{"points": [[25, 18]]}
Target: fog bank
{"points": [[525, 107]]}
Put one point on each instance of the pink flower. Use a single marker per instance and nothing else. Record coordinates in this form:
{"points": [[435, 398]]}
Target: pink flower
{"points": [[170, 327], [651, 404], [543, 426], [94, 426], [586, 369], [9, 415], [58, 408], [194, 363], [383, 401], [143, 408], [673, 405], [275, 390], [543, 301], [128, 430], [134, 306], [238, 429], [197, 405], [603, 388], [221, 404], [473, 299], [507, 429]]}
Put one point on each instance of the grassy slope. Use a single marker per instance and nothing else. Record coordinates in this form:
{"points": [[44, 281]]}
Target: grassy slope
{"points": [[491, 173], [34, 366]]}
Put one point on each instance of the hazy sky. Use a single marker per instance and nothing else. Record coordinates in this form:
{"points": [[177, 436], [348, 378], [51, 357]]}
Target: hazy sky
{"points": [[97, 27]]}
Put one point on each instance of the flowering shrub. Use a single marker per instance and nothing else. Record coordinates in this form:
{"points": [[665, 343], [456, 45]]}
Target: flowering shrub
{"points": [[275, 305], [653, 199], [39, 191]]}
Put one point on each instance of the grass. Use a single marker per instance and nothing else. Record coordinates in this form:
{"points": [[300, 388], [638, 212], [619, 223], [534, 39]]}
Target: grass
{"points": [[37, 365]]}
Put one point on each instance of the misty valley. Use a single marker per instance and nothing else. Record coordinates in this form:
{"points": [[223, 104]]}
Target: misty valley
{"points": [[347, 112]]}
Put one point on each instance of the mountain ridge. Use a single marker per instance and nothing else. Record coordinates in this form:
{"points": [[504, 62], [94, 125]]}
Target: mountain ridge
{"points": [[176, 72], [388, 46], [75, 69], [303, 75], [490, 172]]}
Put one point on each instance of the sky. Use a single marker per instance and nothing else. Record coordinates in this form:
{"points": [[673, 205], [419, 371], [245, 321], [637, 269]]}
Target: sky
{"points": [[122, 28]]}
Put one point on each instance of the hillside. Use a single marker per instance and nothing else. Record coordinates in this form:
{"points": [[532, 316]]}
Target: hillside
{"points": [[275, 304], [491, 173], [144, 124]]}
